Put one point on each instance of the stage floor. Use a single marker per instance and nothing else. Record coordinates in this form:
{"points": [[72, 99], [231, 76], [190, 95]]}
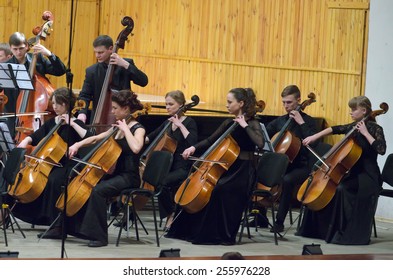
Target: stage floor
{"points": [[261, 246]]}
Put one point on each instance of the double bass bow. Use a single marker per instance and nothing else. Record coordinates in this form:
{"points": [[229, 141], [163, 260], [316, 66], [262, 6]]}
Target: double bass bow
{"points": [[32, 178], [285, 141], [195, 192], [102, 113], [319, 189], [99, 161], [39, 99]]}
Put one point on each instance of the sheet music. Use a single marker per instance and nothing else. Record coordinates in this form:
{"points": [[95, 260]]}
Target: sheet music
{"points": [[6, 142], [22, 76]]}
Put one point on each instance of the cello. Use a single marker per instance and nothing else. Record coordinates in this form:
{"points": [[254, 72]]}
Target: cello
{"points": [[318, 190], [163, 142], [285, 141], [37, 100], [32, 178], [101, 115], [100, 161], [195, 191]]}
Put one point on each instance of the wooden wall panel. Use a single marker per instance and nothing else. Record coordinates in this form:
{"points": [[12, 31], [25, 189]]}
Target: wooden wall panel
{"points": [[206, 47], [8, 10], [26, 14]]}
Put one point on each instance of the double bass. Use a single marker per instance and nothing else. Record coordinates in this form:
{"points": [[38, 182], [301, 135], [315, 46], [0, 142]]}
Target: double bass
{"points": [[32, 178], [100, 161], [319, 189], [37, 100], [102, 116], [3, 100], [195, 191], [285, 141]]}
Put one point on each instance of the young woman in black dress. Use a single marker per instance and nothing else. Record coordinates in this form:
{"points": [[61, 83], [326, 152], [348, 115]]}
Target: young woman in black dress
{"points": [[348, 218], [183, 129], [218, 222]]}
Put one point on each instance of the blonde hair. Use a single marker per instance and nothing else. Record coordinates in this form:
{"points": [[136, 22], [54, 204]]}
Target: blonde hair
{"points": [[360, 101]]}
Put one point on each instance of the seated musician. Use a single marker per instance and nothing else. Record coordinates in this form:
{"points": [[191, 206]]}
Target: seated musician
{"points": [[91, 221], [42, 211], [348, 218], [184, 130], [218, 222], [298, 170]]}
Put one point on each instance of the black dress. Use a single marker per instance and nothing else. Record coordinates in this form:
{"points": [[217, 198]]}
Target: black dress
{"points": [[42, 211], [91, 221], [180, 167], [348, 218], [218, 222]]}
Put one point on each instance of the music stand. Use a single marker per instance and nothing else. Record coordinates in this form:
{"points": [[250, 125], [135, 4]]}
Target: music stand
{"points": [[6, 142], [15, 76]]}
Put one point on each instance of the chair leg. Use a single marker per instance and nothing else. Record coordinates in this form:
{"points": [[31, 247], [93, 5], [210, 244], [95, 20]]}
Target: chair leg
{"points": [[121, 226], [299, 221], [290, 215], [274, 225], [375, 228], [12, 220], [244, 221], [155, 221], [4, 225]]}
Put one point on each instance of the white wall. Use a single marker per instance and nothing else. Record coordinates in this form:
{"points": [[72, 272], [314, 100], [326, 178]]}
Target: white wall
{"points": [[379, 80]]}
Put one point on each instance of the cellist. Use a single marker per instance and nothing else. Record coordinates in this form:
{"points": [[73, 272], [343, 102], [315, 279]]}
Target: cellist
{"points": [[348, 217], [47, 63], [91, 221], [218, 222], [184, 130], [42, 211], [303, 125]]}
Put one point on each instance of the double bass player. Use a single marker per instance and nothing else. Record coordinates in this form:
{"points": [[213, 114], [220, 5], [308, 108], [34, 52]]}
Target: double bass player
{"points": [[125, 72], [47, 64]]}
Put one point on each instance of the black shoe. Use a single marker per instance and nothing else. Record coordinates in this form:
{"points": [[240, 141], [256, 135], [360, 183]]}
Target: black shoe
{"points": [[96, 243], [279, 228], [54, 233]]}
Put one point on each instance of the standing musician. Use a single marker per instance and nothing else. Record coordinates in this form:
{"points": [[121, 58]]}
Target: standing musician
{"points": [[184, 130], [95, 75], [47, 63], [91, 221], [348, 218], [42, 211], [218, 222], [298, 170]]}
